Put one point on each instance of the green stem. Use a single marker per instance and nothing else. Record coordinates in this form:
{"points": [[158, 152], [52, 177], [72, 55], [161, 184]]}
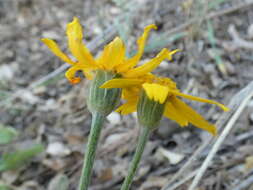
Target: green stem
{"points": [[96, 126], [137, 157]]}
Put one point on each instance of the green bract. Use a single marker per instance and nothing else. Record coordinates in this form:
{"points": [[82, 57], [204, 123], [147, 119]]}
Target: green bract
{"points": [[149, 111], [102, 100]]}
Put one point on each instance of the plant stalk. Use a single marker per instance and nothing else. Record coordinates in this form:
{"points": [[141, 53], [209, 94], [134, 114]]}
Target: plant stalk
{"points": [[96, 126], [145, 131]]}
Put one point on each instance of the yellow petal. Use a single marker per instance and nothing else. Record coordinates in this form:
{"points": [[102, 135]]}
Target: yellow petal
{"points": [[56, 50], [156, 92], [141, 45], [192, 116], [115, 53], [200, 100], [151, 65], [76, 46], [172, 113], [121, 83], [103, 57], [131, 94], [127, 108]]}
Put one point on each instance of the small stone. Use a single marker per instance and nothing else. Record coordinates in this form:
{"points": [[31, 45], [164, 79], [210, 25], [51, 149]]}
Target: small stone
{"points": [[114, 118], [114, 138], [57, 149], [173, 157]]}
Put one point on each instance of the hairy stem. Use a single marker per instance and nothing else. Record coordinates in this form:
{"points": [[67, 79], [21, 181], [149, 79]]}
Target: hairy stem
{"points": [[96, 126], [137, 157]]}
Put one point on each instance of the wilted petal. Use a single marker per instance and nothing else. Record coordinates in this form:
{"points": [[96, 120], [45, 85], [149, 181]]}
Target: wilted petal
{"points": [[200, 100], [172, 113], [71, 73], [76, 46], [192, 116]]}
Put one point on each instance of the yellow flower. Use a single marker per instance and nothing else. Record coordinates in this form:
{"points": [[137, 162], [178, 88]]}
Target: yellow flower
{"points": [[112, 58], [164, 91]]}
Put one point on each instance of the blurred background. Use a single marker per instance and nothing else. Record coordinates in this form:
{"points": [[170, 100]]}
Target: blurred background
{"points": [[44, 121]]}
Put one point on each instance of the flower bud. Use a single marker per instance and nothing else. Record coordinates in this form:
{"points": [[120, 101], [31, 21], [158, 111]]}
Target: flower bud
{"points": [[103, 100], [149, 111]]}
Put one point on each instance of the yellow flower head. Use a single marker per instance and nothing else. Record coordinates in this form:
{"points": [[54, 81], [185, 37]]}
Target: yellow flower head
{"points": [[164, 91], [111, 59]]}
